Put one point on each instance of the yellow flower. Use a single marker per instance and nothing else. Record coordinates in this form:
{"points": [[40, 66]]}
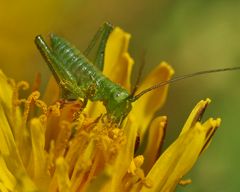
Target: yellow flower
{"points": [[59, 148]]}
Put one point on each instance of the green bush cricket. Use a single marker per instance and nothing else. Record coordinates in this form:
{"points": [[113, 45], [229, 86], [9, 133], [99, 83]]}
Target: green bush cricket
{"points": [[79, 75]]}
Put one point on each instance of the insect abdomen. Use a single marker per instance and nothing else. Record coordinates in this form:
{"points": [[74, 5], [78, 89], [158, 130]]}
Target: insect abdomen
{"points": [[86, 74]]}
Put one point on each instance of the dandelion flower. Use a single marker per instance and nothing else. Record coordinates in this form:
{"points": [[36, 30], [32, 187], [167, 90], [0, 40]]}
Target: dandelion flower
{"points": [[55, 147]]}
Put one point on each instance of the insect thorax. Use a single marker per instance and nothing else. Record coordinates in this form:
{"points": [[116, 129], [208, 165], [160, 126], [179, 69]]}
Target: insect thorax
{"points": [[118, 105]]}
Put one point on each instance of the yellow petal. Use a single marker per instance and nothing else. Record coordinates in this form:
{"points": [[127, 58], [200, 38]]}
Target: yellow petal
{"points": [[179, 158], [18, 180], [37, 166], [24, 183], [155, 140], [123, 160], [118, 63], [7, 102], [135, 164], [196, 114], [7, 145], [166, 173], [98, 183], [61, 142], [211, 125], [62, 175], [52, 87], [3, 188], [6, 177], [83, 168], [68, 112], [95, 109], [6, 93], [144, 108]]}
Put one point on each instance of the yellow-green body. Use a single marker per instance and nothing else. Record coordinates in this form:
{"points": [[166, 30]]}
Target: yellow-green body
{"points": [[80, 78]]}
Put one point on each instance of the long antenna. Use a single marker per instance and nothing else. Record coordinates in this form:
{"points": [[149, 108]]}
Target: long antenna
{"points": [[136, 97], [143, 63]]}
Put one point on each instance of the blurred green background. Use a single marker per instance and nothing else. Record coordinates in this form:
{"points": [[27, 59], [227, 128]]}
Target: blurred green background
{"points": [[190, 35]]}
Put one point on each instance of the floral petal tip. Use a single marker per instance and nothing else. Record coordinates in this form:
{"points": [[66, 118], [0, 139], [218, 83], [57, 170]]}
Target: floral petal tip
{"points": [[168, 67]]}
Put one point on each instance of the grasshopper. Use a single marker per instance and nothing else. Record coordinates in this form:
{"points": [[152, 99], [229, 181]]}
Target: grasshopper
{"points": [[79, 75]]}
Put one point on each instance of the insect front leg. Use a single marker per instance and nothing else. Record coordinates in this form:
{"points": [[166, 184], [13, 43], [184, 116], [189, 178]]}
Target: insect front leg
{"points": [[90, 92], [96, 49], [85, 101]]}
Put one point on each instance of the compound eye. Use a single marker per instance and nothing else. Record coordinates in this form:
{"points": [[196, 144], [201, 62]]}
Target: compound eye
{"points": [[117, 95]]}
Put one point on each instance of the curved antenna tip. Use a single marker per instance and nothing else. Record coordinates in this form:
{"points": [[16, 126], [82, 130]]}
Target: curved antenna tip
{"points": [[179, 78]]}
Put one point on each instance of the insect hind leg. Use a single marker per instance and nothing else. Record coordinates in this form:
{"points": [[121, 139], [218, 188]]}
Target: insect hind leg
{"points": [[96, 49], [48, 55]]}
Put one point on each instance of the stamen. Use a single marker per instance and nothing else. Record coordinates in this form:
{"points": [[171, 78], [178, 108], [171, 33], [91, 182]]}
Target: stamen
{"points": [[16, 89], [54, 109], [61, 142], [22, 85], [42, 106], [37, 82], [185, 182], [135, 164], [32, 98]]}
